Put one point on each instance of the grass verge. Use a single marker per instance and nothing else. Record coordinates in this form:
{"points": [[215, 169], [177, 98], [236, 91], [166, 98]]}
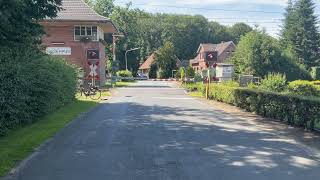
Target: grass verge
{"points": [[21, 142]]}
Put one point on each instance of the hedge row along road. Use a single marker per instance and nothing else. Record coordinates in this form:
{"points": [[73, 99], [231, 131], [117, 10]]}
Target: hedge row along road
{"points": [[152, 130]]}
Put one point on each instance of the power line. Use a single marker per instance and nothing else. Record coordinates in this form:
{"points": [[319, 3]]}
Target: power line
{"points": [[200, 8]]}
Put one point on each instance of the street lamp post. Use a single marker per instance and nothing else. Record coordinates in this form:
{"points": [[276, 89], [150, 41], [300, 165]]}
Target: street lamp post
{"points": [[134, 49]]}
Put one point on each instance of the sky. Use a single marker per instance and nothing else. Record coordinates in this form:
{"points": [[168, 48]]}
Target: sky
{"points": [[268, 14]]}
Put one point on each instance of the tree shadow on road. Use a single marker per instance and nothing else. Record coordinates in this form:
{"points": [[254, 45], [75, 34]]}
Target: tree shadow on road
{"points": [[206, 143]]}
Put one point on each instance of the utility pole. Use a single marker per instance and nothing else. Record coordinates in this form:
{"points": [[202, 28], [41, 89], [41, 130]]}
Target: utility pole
{"points": [[114, 58], [134, 49]]}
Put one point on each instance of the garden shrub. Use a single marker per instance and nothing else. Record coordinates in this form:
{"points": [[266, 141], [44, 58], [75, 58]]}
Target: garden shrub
{"points": [[198, 78], [305, 88], [125, 74], [274, 82], [315, 73], [190, 72], [293, 109], [32, 85]]}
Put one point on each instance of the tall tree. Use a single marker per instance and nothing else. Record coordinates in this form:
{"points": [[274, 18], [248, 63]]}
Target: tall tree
{"points": [[288, 27], [19, 19], [166, 60], [238, 30], [104, 7], [300, 31], [259, 54]]}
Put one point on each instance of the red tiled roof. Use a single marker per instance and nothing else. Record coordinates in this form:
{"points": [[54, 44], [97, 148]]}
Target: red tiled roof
{"points": [[147, 64], [78, 10]]}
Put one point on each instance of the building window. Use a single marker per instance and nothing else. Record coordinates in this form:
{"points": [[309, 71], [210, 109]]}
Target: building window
{"points": [[86, 31]]}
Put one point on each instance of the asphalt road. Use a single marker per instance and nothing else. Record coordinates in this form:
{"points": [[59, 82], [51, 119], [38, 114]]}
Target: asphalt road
{"points": [[153, 131]]}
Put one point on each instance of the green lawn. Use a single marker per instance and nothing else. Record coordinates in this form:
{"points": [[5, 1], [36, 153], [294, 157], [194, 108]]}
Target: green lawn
{"points": [[119, 84], [21, 142]]}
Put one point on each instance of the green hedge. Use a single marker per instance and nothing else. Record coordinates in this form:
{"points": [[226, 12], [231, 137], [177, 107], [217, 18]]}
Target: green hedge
{"points": [[32, 85], [303, 88], [295, 110]]}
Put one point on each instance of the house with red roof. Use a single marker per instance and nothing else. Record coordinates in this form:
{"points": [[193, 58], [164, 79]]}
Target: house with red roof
{"points": [[146, 66], [77, 34], [210, 54]]}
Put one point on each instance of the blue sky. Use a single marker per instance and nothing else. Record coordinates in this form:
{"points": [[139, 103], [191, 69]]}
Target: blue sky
{"points": [[226, 12]]}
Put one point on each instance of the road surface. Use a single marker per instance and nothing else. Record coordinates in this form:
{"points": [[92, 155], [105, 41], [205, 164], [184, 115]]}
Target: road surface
{"points": [[153, 131]]}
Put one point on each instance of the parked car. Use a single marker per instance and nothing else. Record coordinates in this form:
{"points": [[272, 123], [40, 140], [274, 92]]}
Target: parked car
{"points": [[142, 76]]}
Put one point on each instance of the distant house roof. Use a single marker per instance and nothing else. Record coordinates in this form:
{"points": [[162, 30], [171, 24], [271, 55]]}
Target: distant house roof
{"points": [[78, 10], [147, 64], [220, 48], [185, 63]]}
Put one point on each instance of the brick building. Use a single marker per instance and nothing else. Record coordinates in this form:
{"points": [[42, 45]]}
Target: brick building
{"points": [[209, 54], [77, 33]]}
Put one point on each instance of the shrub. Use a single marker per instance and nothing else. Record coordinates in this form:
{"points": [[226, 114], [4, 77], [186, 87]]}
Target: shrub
{"points": [[274, 82], [222, 93], [182, 73], [198, 78], [315, 73], [295, 110], [32, 85], [195, 87], [125, 74], [230, 83], [304, 88], [190, 72]]}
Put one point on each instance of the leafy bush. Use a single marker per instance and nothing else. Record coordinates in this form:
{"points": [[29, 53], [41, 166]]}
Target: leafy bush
{"points": [[315, 73], [230, 83], [190, 72], [295, 110], [198, 78], [32, 85], [274, 82], [195, 87], [222, 93], [125, 74], [182, 73], [305, 88]]}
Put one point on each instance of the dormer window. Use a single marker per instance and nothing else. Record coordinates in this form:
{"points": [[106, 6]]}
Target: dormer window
{"points": [[85, 31]]}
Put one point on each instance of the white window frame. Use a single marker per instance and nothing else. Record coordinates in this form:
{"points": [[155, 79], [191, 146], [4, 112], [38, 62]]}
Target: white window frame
{"points": [[91, 26]]}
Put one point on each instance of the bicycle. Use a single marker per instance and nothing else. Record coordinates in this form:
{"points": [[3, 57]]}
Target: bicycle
{"points": [[91, 91]]}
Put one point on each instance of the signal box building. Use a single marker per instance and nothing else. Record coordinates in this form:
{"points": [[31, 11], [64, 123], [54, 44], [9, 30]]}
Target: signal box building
{"points": [[77, 34]]}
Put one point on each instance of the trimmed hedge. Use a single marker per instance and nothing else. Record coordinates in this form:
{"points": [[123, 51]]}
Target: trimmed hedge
{"points": [[32, 85], [295, 110], [303, 88]]}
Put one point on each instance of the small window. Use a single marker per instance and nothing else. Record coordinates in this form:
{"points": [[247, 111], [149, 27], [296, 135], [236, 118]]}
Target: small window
{"points": [[89, 31], [94, 29], [77, 31], [83, 31]]}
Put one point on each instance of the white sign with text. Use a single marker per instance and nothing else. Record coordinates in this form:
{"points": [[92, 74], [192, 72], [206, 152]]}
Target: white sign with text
{"points": [[62, 51]]}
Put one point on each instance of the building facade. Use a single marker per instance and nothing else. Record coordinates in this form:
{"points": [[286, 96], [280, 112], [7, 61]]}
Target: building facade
{"points": [[77, 34], [210, 54]]}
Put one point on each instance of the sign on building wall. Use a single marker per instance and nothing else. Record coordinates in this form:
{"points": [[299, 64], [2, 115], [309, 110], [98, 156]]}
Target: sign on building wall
{"points": [[212, 56], [93, 54], [62, 51]]}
